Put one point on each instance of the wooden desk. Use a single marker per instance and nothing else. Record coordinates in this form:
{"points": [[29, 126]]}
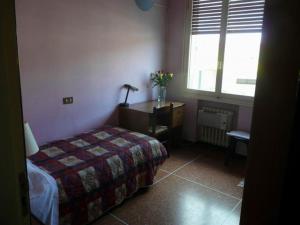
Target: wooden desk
{"points": [[136, 117]]}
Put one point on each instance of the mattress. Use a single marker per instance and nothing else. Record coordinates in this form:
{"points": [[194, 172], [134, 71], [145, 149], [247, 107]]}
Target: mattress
{"points": [[96, 171]]}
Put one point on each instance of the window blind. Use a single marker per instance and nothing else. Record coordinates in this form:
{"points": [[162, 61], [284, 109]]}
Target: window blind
{"points": [[245, 16], [206, 16]]}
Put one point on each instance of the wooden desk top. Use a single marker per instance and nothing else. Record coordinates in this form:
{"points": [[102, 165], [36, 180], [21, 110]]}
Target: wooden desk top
{"points": [[147, 107]]}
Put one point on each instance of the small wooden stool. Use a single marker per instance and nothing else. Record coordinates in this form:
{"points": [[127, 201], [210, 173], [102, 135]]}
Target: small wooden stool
{"points": [[236, 136]]}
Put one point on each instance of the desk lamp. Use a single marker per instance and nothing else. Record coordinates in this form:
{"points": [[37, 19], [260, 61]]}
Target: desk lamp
{"points": [[129, 87]]}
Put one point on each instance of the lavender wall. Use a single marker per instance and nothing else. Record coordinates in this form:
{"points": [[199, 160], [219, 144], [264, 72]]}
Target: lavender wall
{"points": [[85, 49], [174, 63]]}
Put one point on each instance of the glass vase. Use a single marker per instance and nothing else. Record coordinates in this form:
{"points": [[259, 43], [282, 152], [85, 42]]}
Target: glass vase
{"points": [[161, 97]]}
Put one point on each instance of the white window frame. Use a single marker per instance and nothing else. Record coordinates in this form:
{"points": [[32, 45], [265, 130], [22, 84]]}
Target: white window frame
{"points": [[217, 95]]}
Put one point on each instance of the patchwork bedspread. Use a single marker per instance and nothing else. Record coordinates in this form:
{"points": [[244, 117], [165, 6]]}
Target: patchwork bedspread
{"points": [[97, 170]]}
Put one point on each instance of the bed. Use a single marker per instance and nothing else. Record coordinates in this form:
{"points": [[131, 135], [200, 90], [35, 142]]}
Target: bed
{"points": [[75, 181]]}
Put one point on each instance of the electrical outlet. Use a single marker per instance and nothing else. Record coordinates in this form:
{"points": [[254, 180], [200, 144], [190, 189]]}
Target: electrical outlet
{"points": [[67, 100]]}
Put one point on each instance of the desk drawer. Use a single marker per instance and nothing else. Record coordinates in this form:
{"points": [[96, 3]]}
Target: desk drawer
{"points": [[178, 115]]}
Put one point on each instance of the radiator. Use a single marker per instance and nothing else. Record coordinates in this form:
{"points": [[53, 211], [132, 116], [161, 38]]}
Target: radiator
{"points": [[213, 123]]}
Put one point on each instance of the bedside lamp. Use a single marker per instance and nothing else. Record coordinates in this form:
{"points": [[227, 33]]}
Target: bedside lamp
{"points": [[129, 87], [30, 142]]}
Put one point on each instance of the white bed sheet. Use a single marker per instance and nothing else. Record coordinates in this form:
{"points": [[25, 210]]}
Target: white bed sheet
{"points": [[43, 194]]}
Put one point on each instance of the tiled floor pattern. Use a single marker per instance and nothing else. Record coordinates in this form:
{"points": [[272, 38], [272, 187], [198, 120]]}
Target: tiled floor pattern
{"points": [[193, 187]]}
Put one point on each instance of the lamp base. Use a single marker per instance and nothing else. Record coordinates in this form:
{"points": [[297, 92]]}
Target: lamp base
{"points": [[124, 104]]}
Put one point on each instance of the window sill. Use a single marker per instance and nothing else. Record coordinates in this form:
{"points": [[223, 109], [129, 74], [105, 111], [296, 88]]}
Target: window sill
{"points": [[229, 99]]}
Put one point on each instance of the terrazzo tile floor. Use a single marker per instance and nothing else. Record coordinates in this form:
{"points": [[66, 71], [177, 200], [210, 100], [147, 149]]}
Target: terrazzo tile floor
{"points": [[193, 187]]}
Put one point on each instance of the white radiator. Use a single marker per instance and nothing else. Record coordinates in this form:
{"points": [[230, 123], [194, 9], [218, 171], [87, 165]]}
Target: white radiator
{"points": [[213, 123]]}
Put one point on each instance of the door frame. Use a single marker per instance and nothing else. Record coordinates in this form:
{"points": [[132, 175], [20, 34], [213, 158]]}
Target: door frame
{"points": [[273, 115], [14, 207]]}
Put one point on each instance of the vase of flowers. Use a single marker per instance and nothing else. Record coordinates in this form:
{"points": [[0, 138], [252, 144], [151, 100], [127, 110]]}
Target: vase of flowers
{"points": [[161, 79]]}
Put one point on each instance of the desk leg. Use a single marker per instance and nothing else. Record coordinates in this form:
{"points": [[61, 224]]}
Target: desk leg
{"points": [[230, 151]]}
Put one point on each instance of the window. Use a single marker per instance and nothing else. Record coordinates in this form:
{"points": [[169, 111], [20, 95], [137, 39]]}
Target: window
{"points": [[224, 46]]}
